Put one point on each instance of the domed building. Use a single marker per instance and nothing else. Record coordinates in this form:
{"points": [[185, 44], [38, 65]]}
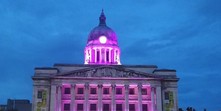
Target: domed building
{"points": [[102, 46], [102, 83]]}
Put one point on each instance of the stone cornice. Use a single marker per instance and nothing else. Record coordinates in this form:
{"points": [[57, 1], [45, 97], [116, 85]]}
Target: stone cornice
{"points": [[85, 65], [108, 71]]}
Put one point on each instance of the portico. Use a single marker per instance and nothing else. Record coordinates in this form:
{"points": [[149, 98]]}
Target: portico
{"points": [[101, 97]]}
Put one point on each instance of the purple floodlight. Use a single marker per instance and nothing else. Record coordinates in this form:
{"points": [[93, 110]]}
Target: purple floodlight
{"points": [[102, 46]]}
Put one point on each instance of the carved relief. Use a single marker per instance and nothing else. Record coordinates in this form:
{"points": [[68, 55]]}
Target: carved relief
{"points": [[105, 72]]}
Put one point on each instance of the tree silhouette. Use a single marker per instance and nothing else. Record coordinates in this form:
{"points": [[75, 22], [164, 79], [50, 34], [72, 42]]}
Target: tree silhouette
{"points": [[180, 109], [190, 109]]}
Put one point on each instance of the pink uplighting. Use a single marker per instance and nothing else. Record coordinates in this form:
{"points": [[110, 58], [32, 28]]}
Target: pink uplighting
{"points": [[105, 96], [102, 46]]}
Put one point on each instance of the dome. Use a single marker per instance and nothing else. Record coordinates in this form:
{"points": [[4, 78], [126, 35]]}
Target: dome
{"points": [[102, 46], [102, 30]]}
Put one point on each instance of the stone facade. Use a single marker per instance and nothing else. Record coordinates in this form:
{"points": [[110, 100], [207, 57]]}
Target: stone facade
{"points": [[66, 87], [102, 83]]}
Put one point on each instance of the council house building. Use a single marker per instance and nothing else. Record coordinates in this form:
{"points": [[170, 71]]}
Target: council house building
{"points": [[102, 83]]}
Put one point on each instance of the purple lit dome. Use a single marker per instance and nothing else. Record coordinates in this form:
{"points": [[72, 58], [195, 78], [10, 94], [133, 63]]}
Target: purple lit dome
{"points": [[102, 30], [102, 46]]}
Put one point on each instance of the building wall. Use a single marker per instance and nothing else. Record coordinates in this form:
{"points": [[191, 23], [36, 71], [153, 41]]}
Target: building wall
{"points": [[170, 96], [3, 107], [154, 99], [18, 105], [162, 91], [41, 96]]}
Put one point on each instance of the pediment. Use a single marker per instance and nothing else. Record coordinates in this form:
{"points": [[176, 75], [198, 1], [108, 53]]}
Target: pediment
{"points": [[107, 71]]}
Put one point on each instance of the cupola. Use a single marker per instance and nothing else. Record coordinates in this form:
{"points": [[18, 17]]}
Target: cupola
{"points": [[102, 45]]}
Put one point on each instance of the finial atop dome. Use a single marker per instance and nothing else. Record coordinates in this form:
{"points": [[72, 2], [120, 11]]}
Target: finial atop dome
{"points": [[102, 18]]}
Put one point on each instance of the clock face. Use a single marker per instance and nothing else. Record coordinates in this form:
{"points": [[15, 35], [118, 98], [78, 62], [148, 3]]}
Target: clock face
{"points": [[102, 39]]}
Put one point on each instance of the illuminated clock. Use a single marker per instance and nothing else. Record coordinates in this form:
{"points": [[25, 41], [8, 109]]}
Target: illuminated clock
{"points": [[102, 39]]}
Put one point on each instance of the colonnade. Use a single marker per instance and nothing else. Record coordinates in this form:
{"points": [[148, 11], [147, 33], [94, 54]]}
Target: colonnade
{"points": [[56, 98], [106, 55]]}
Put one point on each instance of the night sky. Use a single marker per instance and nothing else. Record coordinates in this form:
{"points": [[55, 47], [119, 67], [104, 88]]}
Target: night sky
{"points": [[176, 34]]}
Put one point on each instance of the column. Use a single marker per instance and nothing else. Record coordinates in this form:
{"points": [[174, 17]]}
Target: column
{"points": [[90, 60], [86, 96], [176, 99], [126, 97], [105, 53], [113, 104], [153, 98], [34, 96], [112, 56], [109, 55], [59, 98], [115, 54], [95, 55], [159, 98], [100, 59], [53, 98], [99, 97], [140, 97], [72, 97]]}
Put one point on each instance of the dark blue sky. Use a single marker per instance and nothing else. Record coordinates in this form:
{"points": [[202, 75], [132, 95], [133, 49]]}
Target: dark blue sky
{"points": [[175, 34]]}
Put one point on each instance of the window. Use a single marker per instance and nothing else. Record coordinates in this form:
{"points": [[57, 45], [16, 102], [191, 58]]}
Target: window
{"points": [[106, 107], [119, 107], [107, 56], [144, 91], [39, 94], [93, 107], [80, 90], [106, 91], [67, 107], [145, 107], [98, 56], [93, 91], [67, 91], [118, 90], [166, 95], [131, 107], [131, 91], [80, 107]]}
